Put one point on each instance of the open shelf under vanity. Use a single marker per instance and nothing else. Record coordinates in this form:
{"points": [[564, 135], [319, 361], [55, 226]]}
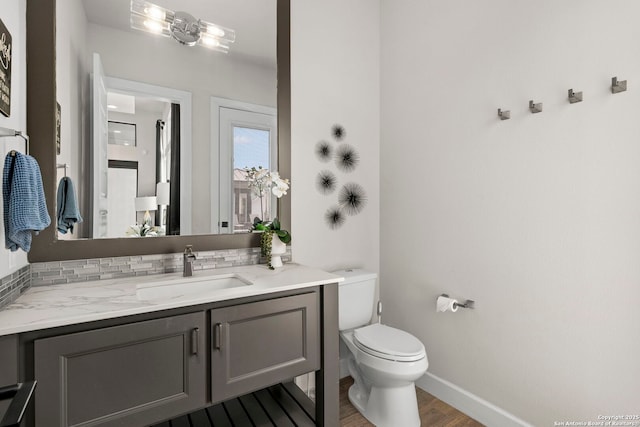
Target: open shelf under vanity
{"points": [[282, 405]]}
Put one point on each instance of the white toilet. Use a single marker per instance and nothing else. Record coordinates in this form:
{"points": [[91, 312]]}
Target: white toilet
{"points": [[384, 361]]}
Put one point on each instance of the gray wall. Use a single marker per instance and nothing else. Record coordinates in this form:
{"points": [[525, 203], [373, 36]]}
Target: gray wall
{"points": [[535, 218]]}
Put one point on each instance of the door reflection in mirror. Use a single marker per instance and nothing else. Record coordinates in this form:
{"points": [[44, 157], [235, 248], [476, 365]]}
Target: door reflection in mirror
{"points": [[247, 135]]}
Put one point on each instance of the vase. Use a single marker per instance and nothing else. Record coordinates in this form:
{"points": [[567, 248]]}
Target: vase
{"points": [[278, 247]]}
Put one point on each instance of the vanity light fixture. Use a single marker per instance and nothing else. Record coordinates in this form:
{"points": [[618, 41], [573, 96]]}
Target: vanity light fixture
{"points": [[181, 26]]}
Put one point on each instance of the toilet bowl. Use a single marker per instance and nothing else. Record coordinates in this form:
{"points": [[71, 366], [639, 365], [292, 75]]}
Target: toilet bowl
{"points": [[384, 361]]}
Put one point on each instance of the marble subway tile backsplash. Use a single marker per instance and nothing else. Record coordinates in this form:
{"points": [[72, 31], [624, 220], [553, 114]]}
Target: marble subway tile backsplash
{"points": [[13, 285], [59, 272]]}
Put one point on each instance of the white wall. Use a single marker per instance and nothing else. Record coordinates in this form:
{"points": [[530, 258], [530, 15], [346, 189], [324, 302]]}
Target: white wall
{"points": [[536, 218], [334, 80], [208, 74], [13, 16], [72, 78]]}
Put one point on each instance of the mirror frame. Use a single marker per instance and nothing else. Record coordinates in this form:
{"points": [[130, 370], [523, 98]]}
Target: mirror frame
{"points": [[41, 128]]}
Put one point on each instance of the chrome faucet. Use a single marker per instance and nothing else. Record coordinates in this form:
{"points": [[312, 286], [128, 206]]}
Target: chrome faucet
{"points": [[187, 261]]}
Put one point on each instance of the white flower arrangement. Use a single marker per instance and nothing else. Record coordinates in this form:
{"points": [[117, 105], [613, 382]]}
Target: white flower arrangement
{"points": [[262, 180], [142, 230]]}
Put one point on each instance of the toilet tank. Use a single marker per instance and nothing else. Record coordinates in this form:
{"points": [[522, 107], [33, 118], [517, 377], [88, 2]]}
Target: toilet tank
{"points": [[355, 298]]}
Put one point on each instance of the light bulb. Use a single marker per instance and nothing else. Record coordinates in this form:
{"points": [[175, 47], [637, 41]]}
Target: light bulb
{"points": [[215, 31], [210, 41], [154, 26], [155, 12]]}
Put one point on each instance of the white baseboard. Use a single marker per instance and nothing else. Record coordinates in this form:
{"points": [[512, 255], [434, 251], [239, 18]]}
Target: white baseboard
{"points": [[468, 403]]}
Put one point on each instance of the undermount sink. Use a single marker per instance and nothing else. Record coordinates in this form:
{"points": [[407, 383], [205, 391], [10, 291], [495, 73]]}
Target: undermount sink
{"points": [[189, 286]]}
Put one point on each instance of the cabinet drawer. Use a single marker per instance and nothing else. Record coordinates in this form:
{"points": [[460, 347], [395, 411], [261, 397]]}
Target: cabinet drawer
{"points": [[128, 375], [259, 344]]}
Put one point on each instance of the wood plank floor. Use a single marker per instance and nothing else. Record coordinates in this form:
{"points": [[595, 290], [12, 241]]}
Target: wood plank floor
{"points": [[433, 412]]}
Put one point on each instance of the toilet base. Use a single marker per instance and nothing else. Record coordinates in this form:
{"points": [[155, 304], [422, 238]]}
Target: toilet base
{"points": [[387, 407]]}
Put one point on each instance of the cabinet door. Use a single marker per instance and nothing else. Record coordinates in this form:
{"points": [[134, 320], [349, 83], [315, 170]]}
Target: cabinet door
{"points": [[259, 344], [129, 375], [8, 366]]}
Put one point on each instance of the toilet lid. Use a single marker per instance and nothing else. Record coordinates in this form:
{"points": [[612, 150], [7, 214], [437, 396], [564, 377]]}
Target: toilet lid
{"points": [[389, 343]]}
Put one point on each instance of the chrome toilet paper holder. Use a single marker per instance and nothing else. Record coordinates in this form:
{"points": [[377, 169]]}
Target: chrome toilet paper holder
{"points": [[467, 304]]}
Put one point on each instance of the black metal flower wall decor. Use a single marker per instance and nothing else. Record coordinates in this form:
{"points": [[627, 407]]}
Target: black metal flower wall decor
{"points": [[326, 182], [324, 151], [338, 132], [347, 158], [334, 217], [351, 197]]}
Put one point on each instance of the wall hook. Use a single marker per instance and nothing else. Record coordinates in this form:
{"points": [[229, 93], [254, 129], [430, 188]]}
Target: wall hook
{"points": [[63, 165], [618, 86], [504, 115], [574, 96], [535, 108]]}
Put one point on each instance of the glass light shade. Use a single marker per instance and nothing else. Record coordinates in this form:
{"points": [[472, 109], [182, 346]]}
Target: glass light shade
{"points": [[225, 35], [149, 203], [139, 22], [184, 28], [162, 193], [151, 11]]}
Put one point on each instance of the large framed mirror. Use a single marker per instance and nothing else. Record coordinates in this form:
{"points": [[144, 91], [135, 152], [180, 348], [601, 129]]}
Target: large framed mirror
{"points": [[42, 101]]}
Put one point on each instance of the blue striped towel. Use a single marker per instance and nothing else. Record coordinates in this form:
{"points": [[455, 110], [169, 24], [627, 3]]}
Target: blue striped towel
{"points": [[68, 212], [25, 209]]}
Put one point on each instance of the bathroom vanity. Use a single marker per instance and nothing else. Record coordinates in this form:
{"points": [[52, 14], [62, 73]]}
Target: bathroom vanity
{"points": [[124, 352]]}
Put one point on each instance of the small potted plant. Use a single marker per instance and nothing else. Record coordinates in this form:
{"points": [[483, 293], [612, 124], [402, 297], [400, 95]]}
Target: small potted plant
{"points": [[273, 241]]}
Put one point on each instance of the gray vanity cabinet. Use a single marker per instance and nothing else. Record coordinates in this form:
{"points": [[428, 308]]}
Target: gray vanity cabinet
{"points": [[258, 344], [127, 375]]}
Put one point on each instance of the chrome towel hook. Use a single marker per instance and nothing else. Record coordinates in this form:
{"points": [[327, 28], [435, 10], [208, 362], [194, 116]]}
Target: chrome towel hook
{"points": [[504, 115], [618, 86], [63, 165], [535, 108], [12, 132], [574, 96]]}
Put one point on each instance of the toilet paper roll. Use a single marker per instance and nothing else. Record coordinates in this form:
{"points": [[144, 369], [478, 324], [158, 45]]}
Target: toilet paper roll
{"points": [[446, 304]]}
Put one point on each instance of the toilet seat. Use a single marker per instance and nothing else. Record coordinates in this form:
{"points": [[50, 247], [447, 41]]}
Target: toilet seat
{"points": [[388, 343]]}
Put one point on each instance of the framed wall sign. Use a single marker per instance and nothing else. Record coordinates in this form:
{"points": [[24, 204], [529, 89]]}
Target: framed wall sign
{"points": [[5, 70], [58, 124]]}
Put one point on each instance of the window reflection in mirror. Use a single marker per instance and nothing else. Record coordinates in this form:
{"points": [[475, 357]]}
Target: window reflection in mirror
{"points": [[250, 149], [247, 74]]}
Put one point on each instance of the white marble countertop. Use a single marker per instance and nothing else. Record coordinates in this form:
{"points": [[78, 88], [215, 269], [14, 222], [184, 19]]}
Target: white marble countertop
{"points": [[43, 307]]}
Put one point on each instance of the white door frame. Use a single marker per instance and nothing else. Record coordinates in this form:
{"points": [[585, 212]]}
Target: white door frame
{"points": [[99, 170]]}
